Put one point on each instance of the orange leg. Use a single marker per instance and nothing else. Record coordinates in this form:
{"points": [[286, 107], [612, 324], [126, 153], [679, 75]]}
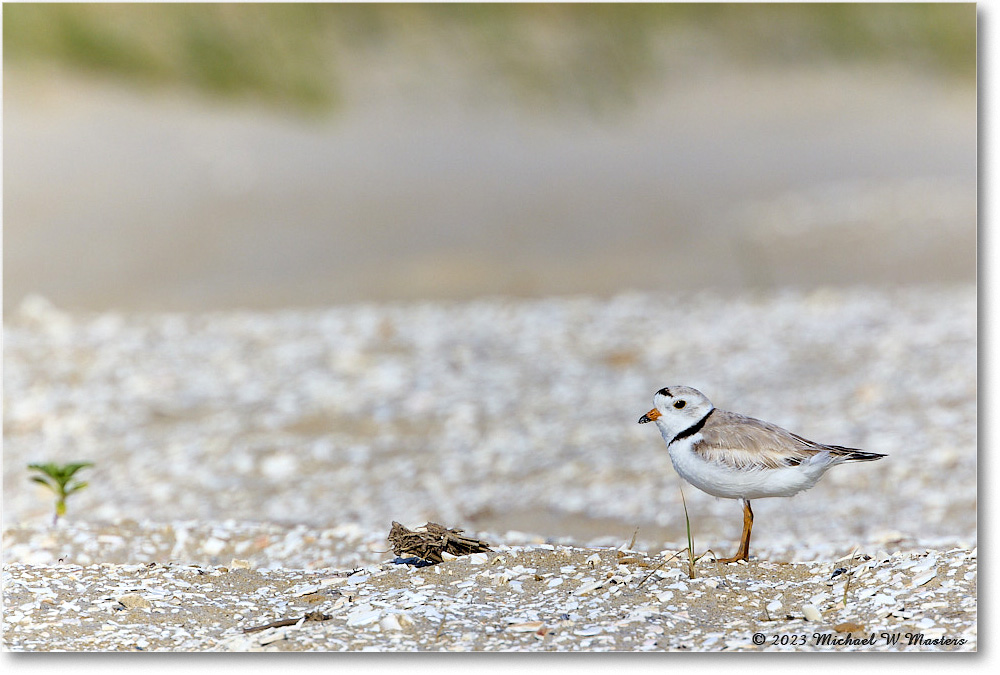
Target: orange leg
{"points": [[744, 551]]}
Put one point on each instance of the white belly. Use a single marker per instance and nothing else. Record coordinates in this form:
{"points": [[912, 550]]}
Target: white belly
{"points": [[720, 480]]}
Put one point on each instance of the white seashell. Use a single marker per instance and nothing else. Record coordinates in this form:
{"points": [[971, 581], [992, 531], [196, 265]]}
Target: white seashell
{"points": [[390, 622], [774, 606], [477, 559], [272, 636], [527, 627], [305, 589], [590, 587], [811, 613], [922, 579], [363, 618], [586, 632], [445, 555]]}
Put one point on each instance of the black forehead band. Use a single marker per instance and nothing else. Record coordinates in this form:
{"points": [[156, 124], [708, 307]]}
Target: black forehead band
{"points": [[664, 392]]}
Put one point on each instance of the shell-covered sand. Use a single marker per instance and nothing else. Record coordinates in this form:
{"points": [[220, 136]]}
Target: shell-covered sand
{"points": [[289, 441]]}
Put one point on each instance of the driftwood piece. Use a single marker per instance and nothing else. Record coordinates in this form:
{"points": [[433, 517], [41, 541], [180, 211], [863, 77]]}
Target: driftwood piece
{"points": [[431, 540]]}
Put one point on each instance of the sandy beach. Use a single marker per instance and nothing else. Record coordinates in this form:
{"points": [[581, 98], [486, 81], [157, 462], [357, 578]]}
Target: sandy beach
{"points": [[289, 441]]}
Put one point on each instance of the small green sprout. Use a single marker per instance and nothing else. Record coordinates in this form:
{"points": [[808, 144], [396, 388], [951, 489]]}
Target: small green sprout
{"points": [[687, 522], [57, 477], [692, 558]]}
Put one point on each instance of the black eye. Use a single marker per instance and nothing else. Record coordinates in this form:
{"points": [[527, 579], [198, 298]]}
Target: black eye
{"points": [[680, 404]]}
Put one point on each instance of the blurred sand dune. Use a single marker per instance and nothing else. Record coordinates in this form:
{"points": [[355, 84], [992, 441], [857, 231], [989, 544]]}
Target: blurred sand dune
{"points": [[808, 176]]}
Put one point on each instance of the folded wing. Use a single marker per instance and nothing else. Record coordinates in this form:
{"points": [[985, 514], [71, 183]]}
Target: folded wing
{"points": [[747, 443]]}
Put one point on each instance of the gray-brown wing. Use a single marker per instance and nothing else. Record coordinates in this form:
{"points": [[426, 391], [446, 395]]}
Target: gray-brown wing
{"points": [[744, 442]]}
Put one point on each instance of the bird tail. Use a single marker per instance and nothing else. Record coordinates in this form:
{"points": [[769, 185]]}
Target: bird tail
{"points": [[853, 454]]}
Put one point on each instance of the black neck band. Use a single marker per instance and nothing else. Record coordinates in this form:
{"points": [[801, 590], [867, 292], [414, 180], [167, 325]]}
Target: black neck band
{"points": [[694, 428]]}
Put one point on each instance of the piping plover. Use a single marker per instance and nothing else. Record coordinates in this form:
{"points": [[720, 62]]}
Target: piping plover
{"points": [[737, 457]]}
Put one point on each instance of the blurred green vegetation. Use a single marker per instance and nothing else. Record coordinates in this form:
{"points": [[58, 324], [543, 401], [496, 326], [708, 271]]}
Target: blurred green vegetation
{"points": [[588, 54]]}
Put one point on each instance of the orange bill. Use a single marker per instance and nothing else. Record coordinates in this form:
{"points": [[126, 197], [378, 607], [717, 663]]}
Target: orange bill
{"points": [[650, 416]]}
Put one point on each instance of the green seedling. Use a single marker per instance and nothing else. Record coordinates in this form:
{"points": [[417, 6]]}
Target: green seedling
{"points": [[687, 523], [690, 549], [57, 477], [692, 558]]}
